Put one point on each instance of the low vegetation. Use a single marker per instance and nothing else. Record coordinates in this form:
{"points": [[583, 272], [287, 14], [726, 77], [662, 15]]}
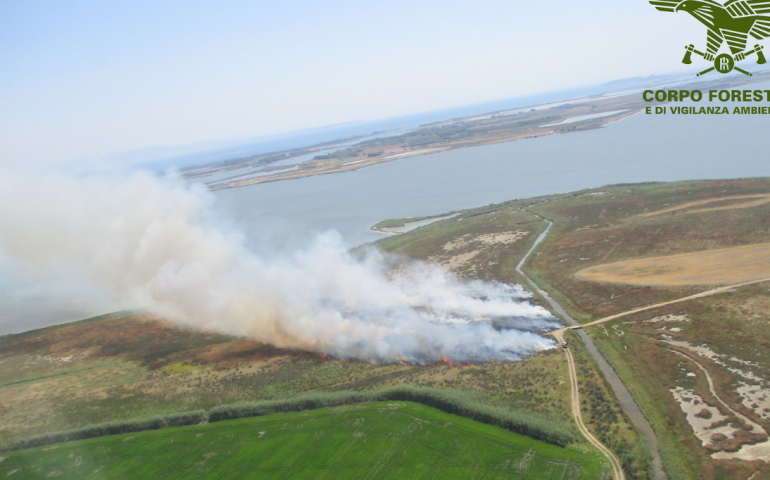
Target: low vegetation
{"points": [[400, 222], [603, 415], [703, 227], [60, 378], [72, 377]]}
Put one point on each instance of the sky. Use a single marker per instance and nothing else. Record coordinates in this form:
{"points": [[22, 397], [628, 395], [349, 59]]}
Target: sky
{"points": [[84, 79]]}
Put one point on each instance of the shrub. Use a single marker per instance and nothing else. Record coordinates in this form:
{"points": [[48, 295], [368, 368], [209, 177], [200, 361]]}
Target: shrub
{"points": [[704, 413], [110, 428], [465, 404], [450, 401]]}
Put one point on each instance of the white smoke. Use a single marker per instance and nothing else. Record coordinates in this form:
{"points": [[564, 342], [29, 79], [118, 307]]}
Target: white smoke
{"points": [[155, 243]]}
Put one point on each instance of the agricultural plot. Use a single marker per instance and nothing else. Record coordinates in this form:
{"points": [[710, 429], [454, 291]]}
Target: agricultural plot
{"points": [[375, 440], [725, 266]]}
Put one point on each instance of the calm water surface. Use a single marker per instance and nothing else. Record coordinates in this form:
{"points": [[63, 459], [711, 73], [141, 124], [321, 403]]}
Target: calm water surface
{"points": [[641, 148]]}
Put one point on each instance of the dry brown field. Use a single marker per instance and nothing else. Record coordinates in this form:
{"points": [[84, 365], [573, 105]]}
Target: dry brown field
{"points": [[724, 266]]}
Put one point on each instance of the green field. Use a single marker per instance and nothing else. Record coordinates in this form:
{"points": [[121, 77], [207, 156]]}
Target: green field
{"points": [[374, 440]]}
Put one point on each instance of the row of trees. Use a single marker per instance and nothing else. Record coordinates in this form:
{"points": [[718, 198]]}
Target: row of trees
{"points": [[450, 401]]}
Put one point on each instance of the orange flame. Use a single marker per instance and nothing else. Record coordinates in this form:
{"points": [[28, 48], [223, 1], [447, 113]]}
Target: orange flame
{"points": [[446, 360]]}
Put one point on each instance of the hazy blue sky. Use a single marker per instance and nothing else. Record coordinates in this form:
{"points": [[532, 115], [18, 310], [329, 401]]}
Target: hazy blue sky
{"points": [[82, 79]]}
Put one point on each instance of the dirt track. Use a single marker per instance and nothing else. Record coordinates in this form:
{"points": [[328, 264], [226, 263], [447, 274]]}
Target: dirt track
{"points": [[624, 396], [617, 468], [755, 426], [759, 199], [707, 293], [713, 391]]}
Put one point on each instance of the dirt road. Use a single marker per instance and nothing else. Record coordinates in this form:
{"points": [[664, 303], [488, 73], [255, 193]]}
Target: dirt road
{"points": [[707, 293], [759, 199], [627, 403], [617, 468]]}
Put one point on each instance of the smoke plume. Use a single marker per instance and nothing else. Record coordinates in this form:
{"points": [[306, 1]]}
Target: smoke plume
{"points": [[156, 243]]}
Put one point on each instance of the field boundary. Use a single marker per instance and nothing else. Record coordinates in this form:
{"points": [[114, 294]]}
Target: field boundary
{"points": [[454, 402]]}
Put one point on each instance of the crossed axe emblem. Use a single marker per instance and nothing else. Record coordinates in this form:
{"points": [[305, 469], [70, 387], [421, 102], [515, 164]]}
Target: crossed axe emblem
{"points": [[724, 63]]}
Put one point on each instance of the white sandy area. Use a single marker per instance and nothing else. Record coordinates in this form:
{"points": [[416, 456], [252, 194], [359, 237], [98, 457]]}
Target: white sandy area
{"points": [[669, 318], [692, 404], [582, 118]]}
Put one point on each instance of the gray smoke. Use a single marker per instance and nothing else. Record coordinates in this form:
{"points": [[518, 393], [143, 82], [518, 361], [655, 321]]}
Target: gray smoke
{"points": [[156, 243]]}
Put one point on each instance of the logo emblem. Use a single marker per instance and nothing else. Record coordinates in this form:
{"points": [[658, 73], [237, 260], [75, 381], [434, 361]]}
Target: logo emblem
{"points": [[731, 23]]}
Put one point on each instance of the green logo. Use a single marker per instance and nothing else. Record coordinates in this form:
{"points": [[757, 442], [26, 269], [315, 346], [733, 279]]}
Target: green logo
{"points": [[732, 22]]}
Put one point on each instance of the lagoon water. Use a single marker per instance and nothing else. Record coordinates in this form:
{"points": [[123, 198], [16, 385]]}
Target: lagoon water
{"points": [[641, 148]]}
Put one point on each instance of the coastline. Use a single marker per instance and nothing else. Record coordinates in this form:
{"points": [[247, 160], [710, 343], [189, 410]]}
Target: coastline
{"points": [[351, 167], [536, 121]]}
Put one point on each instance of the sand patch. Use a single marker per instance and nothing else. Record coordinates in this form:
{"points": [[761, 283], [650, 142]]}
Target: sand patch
{"points": [[669, 318], [701, 350], [706, 426], [460, 260], [412, 153], [587, 227], [460, 251], [35, 360], [413, 225], [753, 396], [756, 398], [506, 238], [722, 360], [724, 266], [458, 243], [749, 453], [488, 239]]}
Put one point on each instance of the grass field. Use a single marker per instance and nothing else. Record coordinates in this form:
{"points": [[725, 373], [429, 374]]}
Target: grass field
{"points": [[376, 440], [724, 266]]}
